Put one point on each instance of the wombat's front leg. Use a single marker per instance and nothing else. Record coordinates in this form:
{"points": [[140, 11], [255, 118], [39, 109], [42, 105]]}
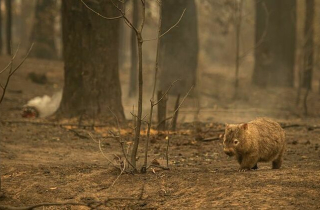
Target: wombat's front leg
{"points": [[255, 167], [276, 164], [247, 163]]}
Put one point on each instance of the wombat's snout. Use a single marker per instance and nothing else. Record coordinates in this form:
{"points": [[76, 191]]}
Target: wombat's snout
{"points": [[229, 152]]}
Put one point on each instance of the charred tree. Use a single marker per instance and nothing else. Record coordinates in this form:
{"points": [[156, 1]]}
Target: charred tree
{"points": [[308, 45], [90, 51], [27, 20], [43, 30], [133, 84], [308, 52], [179, 48], [1, 43], [162, 111], [275, 55], [8, 26]]}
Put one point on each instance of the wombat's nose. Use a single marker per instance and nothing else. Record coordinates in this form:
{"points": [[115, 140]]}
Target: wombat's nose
{"points": [[228, 152]]}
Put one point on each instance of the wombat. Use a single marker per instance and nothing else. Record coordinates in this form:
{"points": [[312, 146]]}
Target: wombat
{"points": [[261, 140]]}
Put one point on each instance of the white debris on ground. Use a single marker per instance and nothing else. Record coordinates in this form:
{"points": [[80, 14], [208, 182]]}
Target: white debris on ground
{"points": [[45, 105]]}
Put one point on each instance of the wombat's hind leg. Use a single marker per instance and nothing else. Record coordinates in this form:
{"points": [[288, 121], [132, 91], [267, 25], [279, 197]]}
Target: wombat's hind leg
{"points": [[276, 164], [255, 167]]}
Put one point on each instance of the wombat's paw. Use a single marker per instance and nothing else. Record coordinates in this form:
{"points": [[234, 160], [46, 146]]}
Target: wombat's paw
{"points": [[255, 167], [243, 169]]}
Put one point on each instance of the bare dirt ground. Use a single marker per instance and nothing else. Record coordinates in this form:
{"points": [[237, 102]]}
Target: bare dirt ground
{"points": [[44, 163]]}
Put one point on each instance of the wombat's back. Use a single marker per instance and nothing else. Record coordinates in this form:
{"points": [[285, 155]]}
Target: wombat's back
{"points": [[268, 137]]}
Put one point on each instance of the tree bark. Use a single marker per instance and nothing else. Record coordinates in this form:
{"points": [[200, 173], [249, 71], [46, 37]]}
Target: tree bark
{"points": [[9, 26], [27, 22], [179, 48], [1, 43], [134, 52], [162, 111], [308, 52], [91, 45], [308, 46], [43, 30], [275, 55]]}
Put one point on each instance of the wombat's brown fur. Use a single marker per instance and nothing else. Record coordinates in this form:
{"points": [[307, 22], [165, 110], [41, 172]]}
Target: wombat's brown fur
{"points": [[261, 140]]}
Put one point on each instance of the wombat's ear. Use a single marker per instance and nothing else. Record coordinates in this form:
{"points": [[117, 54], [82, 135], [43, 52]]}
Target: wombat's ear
{"points": [[244, 126]]}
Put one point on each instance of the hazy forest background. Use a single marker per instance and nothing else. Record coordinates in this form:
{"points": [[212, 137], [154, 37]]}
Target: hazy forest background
{"points": [[222, 39], [72, 110]]}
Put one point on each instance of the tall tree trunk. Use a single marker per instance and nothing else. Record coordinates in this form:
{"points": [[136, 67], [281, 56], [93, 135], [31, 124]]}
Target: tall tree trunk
{"points": [[8, 26], [27, 13], [43, 30], [308, 52], [134, 52], [91, 45], [308, 46], [179, 47], [1, 29], [274, 56]]}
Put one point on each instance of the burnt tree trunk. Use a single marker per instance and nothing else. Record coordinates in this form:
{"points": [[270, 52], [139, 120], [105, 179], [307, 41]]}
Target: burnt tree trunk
{"points": [[275, 55], [179, 48], [133, 84], [8, 26], [43, 30], [162, 111], [308, 52], [91, 45], [27, 20], [308, 46], [175, 116], [1, 29]]}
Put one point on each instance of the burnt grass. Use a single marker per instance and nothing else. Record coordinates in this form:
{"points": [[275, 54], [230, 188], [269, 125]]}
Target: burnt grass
{"points": [[44, 163]]}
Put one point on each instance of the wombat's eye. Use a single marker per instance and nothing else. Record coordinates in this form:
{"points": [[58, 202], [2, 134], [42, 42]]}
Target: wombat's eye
{"points": [[235, 141]]}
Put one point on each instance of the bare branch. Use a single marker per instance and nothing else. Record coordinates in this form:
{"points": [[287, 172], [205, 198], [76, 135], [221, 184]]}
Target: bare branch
{"points": [[175, 111], [142, 120], [172, 117], [117, 120], [97, 13], [12, 71], [167, 31], [144, 168], [9, 64], [125, 18], [166, 92], [24, 59], [119, 138], [123, 168], [143, 15], [111, 162], [158, 46]]}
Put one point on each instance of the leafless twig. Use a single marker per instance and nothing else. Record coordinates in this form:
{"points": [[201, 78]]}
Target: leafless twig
{"points": [[175, 111], [97, 13], [167, 31], [168, 118], [12, 71], [119, 139], [104, 155], [165, 93], [11, 61], [144, 167]]}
